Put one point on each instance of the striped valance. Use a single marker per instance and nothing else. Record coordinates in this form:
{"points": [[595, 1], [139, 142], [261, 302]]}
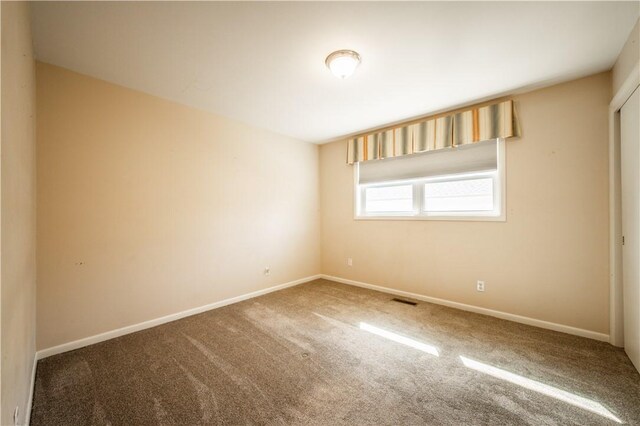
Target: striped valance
{"points": [[492, 121]]}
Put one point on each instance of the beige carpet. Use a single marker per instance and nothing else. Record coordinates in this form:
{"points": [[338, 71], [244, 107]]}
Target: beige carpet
{"points": [[324, 353]]}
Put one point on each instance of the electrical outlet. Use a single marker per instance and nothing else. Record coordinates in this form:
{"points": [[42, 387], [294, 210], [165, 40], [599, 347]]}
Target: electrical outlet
{"points": [[267, 270], [349, 262], [480, 286], [16, 413]]}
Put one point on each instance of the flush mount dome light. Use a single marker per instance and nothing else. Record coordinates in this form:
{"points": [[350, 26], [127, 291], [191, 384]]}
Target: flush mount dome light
{"points": [[342, 63]]}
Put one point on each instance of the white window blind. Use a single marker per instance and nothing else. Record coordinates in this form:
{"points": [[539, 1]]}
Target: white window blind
{"points": [[481, 156]]}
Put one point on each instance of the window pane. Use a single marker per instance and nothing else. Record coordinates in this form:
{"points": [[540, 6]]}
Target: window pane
{"points": [[459, 196], [389, 199]]}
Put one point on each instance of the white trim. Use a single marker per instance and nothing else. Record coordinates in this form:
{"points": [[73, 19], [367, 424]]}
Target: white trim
{"points": [[460, 218], [485, 311], [76, 344], [32, 386], [65, 347], [616, 320]]}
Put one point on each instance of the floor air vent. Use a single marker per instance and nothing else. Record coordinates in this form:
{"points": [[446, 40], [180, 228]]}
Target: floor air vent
{"points": [[406, 302]]}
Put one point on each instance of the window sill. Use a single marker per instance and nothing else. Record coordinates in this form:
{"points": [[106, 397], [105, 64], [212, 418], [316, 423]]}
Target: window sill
{"points": [[501, 218]]}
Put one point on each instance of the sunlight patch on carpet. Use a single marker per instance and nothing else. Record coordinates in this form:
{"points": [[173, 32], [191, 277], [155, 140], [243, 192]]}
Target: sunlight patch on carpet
{"points": [[400, 339], [569, 398]]}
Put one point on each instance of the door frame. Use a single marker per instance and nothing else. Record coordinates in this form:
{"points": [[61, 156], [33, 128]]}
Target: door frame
{"points": [[616, 319]]}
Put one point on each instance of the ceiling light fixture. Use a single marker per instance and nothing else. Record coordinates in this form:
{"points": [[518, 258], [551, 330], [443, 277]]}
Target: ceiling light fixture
{"points": [[343, 63]]}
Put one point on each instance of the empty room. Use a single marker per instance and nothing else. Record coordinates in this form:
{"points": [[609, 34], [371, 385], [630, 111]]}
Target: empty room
{"points": [[320, 213]]}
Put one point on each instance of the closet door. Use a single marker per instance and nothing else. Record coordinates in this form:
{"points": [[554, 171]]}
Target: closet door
{"points": [[630, 174]]}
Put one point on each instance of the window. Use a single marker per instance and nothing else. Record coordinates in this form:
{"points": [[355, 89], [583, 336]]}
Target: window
{"points": [[389, 199], [459, 195], [464, 183]]}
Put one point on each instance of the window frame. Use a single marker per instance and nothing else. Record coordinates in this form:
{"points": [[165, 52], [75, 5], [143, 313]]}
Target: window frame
{"points": [[418, 213]]}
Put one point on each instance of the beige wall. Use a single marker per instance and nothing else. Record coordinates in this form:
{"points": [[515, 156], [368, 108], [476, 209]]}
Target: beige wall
{"points": [[18, 212], [628, 58], [147, 207], [548, 261]]}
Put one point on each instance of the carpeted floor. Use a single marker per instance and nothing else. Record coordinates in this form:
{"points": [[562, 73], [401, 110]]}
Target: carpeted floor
{"points": [[324, 353]]}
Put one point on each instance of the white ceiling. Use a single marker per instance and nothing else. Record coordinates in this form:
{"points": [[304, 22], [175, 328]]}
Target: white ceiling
{"points": [[263, 63]]}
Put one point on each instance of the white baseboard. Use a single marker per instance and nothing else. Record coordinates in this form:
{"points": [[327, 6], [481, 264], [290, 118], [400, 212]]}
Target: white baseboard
{"points": [[32, 386], [76, 344], [498, 314]]}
